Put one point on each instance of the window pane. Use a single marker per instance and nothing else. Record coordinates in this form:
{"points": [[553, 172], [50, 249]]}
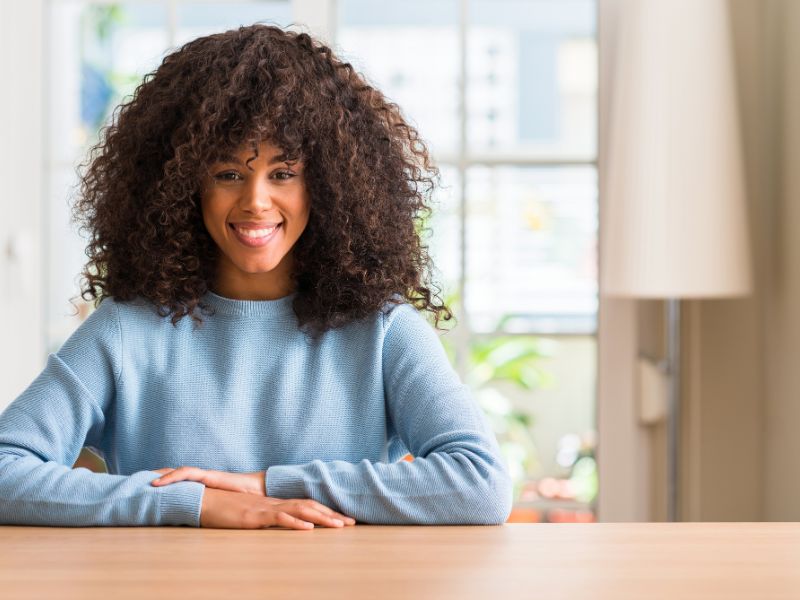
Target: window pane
{"points": [[120, 44], [553, 459], [65, 259], [409, 50], [196, 19], [532, 249], [444, 238], [532, 78], [98, 54]]}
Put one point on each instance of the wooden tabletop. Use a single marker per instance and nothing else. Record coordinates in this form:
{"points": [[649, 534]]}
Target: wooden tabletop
{"points": [[599, 560]]}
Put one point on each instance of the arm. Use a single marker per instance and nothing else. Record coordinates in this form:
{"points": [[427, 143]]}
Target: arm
{"points": [[43, 430], [457, 475]]}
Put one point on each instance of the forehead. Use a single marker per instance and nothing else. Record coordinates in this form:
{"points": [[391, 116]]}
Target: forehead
{"points": [[246, 153], [250, 149]]}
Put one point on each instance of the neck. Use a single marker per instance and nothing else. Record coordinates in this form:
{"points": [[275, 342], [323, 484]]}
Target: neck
{"points": [[231, 282]]}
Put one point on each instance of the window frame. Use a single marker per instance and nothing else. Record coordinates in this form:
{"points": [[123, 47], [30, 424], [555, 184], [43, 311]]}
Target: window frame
{"points": [[622, 456]]}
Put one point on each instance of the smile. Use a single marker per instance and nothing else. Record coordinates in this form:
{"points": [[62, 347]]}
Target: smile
{"points": [[255, 238]]}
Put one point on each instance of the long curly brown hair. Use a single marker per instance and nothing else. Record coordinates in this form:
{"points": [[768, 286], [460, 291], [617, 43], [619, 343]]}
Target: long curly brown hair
{"points": [[368, 173]]}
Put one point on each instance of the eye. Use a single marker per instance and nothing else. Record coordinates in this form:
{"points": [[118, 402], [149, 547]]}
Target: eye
{"points": [[284, 175], [228, 176]]}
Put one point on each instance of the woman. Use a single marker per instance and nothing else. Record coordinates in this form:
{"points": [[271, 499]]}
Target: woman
{"points": [[253, 215]]}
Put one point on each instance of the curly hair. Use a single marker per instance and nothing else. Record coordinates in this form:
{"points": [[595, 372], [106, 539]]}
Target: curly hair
{"points": [[368, 174]]}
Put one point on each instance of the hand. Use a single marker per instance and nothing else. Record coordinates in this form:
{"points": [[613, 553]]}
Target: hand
{"points": [[245, 483], [223, 509]]}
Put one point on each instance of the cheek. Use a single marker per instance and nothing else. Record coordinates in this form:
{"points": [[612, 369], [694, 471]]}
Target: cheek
{"points": [[304, 212], [213, 216]]}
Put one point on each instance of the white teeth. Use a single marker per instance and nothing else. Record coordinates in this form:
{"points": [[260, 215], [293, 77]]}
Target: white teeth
{"points": [[256, 233]]}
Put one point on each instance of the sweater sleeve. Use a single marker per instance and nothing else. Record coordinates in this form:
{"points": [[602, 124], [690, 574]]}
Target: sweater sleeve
{"points": [[65, 408], [457, 475]]}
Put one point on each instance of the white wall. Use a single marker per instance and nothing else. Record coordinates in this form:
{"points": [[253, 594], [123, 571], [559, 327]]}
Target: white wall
{"points": [[21, 309]]}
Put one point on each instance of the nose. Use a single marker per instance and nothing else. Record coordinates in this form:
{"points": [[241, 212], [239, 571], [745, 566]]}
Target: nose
{"points": [[256, 197]]}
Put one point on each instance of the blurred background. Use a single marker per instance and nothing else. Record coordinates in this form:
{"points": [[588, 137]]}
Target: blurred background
{"points": [[515, 99]]}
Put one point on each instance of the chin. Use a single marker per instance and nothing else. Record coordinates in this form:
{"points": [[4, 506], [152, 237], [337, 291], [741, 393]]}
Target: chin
{"points": [[255, 269]]}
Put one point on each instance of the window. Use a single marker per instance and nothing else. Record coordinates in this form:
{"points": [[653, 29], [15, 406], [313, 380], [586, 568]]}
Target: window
{"points": [[504, 92], [99, 53], [514, 235]]}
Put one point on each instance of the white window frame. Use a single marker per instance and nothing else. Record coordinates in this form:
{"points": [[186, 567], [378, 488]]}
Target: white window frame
{"points": [[622, 454]]}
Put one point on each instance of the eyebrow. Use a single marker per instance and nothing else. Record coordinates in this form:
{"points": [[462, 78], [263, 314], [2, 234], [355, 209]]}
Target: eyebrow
{"points": [[278, 158]]}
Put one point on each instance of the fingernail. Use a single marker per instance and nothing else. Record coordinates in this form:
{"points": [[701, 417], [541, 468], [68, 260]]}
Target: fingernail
{"points": [[338, 522], [351, 520]]}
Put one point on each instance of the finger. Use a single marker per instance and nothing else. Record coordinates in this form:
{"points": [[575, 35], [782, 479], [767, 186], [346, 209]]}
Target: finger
{"points": [[347, 520], [167, 476], [332, 518], [332, 513], [181, 474], [283, 519], [312, 514], [163, 471]]}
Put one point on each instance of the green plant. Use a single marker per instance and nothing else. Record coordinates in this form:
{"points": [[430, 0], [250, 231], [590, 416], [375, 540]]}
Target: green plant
{"points": [[493, 363]]}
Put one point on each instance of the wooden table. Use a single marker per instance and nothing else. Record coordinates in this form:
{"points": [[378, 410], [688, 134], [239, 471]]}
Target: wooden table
{"points": [[604, 560]]}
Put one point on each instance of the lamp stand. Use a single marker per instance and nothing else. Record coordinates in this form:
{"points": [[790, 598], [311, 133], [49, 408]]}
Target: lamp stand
{"points": [[673, 322]]}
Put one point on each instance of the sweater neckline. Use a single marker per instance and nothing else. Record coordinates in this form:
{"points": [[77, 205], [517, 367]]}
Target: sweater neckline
{"points": [[280, 307]]}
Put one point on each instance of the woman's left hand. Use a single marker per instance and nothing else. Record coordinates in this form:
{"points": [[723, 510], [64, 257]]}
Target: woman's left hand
{"points": [[246, 483]]}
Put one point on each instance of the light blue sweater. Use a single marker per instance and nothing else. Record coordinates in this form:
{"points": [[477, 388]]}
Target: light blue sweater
{"points": [[247, 391]]}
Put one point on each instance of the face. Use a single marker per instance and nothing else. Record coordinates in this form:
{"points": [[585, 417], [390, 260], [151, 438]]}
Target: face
{"points": [[255, 208]]}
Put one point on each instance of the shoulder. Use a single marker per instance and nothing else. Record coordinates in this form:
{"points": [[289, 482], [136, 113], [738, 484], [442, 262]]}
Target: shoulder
{"points": [[93, 350], [102, 325], [140, 313], [393, 324], [412, 347], [106, 321], [405, 327], [112, 319], [399, 314], [109, 308]]}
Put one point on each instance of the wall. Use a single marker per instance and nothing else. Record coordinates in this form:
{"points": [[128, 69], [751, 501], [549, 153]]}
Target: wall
{"points": [[741, 357], [743, 393], [782, 314], [21, 281], [722, 464]]}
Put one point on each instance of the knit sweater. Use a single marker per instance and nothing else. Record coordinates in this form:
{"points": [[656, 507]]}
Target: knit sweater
{"points": [[327, 419]]}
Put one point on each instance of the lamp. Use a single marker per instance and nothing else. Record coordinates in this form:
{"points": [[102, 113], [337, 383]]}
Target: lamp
{"points": [[675, 222]]}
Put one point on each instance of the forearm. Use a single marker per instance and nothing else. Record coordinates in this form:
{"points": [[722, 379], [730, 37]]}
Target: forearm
{"points": [[461, 485], [33, 492]]}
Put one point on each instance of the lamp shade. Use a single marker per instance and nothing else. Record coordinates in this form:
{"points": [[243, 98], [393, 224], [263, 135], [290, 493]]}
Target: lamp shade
{"points": [[675, 221]]}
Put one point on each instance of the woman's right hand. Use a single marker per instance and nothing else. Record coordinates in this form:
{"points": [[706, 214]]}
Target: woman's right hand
{"points": [[223, 509]]}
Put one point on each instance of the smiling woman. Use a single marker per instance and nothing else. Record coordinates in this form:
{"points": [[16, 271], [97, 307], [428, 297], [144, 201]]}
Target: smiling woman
{"points": [[367, 174], [259, 186], [255, 207]]}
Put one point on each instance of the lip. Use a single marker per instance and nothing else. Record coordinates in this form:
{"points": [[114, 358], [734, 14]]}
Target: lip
{"points": [[255, 224], [256, 242]]}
